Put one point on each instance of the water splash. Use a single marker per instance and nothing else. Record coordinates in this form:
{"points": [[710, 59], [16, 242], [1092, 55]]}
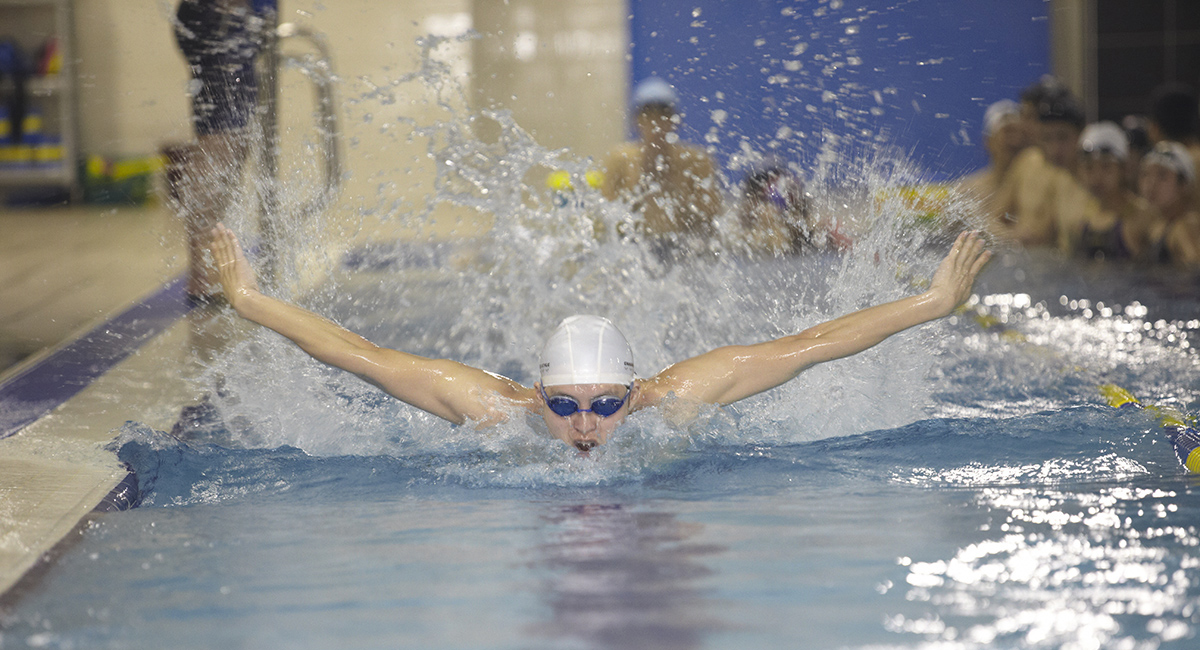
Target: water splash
{"points": [[489, 299]]}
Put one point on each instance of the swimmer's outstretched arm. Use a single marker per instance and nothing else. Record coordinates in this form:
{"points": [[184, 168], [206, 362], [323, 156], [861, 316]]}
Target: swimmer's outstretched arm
{"points": [[447, 389], [728, 374]]}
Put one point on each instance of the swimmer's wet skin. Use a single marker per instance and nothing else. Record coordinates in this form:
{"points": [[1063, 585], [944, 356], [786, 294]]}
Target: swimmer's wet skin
{"points": [[587, 360]]}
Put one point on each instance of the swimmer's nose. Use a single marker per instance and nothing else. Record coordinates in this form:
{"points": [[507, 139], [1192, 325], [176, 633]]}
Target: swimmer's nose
{"points": [[585, 445], [585, 422]]}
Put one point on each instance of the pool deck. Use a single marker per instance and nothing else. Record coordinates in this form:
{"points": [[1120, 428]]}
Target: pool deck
{"points": [[95, 332], [74, 281]]}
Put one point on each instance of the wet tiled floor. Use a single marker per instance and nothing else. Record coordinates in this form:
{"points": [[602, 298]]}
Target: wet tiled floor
{"points": [[62, 269]]}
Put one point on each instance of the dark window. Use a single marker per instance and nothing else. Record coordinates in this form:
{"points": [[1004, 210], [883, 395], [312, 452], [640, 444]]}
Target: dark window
{"points": [[1142, 44]]}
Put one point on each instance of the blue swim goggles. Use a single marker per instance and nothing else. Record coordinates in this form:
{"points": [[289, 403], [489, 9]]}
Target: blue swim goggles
{"points": [[567, 406]]}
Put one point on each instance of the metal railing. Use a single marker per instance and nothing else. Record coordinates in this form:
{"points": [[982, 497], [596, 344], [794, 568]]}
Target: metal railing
{"points": [[319, 70]]}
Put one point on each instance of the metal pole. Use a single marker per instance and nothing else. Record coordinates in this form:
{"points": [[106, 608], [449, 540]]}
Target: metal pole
{"points": [[268, 96]]}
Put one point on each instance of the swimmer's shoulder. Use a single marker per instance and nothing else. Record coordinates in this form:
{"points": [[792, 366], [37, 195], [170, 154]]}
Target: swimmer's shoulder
{"points": [[505, 402], [693, 153], [621, 168], [648, 393], [624, 153]]}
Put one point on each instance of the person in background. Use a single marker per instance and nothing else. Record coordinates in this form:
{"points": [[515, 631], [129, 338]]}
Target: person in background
{"points": [[1005, 137], [1175, 117], [1115, 221], [1031, 101], [672, 185], [220, 40], [1041, 185], [1060, 122], [1168, 182], [775, 215]]}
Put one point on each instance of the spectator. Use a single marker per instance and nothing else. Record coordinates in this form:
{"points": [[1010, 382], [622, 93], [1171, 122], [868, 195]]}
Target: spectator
{"points": [[1167, 182], [775, 215], [1115, 221], [1040, 186], [671, 184], [220, 40], [1139, 145], [1060, 121], [1175, 117], [1005, 136]]}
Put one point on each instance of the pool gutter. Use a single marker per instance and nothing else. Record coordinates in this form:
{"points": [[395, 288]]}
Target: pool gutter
{"points": [[60, 409]]}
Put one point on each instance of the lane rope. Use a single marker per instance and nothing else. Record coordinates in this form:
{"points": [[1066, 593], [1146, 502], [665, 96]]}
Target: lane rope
{"points": [[1180, 428]]}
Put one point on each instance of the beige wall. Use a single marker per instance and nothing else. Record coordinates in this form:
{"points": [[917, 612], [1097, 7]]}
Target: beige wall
{"points": [[131, 77], [559, 66], [1073, 49]]}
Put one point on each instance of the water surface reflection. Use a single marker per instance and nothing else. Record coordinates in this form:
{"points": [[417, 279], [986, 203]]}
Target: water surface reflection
{"points": [[622, 577]]}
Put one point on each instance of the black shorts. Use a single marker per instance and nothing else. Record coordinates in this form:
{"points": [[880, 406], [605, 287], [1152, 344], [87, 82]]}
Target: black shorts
{"points": [[220, 48], [224, 99]]}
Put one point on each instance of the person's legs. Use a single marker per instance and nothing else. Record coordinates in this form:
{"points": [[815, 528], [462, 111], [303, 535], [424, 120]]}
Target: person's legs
{"points": [[208, 182]]}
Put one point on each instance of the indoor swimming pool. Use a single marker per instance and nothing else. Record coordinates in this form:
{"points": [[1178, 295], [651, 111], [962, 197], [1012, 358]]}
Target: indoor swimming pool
{"points": [[963, 485], [959, 486]]}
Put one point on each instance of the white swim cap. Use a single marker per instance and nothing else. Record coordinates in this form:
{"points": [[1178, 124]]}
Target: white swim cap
{"points": [[1000, 114], [1175, 157], [1104, 137], [586, 350], [653, 90]]}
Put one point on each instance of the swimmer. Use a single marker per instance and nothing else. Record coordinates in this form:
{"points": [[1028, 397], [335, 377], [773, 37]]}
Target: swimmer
{"points": [[775, 216], [1167, 182], [1040, 189], [587, 384], [1175, 117], [1005, 137], [1114, 222], [1137, 133], [671, 184]]}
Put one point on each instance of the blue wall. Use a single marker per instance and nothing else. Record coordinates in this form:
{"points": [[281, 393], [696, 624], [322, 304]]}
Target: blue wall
{"points": [[916, 75]]}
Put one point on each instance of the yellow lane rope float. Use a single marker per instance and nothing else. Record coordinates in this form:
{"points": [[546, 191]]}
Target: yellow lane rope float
{"points": [[1180, 428], [1184, 437]]}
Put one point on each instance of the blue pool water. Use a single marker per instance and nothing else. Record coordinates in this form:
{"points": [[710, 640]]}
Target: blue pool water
{"points": [[957, 487]]}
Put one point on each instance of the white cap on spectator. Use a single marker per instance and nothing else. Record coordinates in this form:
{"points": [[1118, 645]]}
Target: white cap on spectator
{"points": [[1175, 157], [653, 90], [1104, 137], [999, 114]]}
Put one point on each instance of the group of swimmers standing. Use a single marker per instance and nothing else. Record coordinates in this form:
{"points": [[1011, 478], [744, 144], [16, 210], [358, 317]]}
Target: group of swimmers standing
{"points": [[1101, 190], [674, 188], [1098, 191]]}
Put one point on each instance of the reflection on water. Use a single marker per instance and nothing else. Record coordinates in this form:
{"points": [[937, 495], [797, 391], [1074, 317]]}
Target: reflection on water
{"points": [[625, 578], [1061, 565]]}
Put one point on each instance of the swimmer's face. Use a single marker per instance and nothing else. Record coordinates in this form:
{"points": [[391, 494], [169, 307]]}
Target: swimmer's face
{"points": [[1008, 141], [1058, 141], [1161, 186], [655, 121], [585, 430], [1103, 174]]}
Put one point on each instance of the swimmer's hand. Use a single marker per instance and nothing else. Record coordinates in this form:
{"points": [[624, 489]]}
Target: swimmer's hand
{"points": [[233, 269], [953, 281]]}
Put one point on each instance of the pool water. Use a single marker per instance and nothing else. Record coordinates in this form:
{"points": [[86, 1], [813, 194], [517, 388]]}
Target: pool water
{"points": [[957, 487]]}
